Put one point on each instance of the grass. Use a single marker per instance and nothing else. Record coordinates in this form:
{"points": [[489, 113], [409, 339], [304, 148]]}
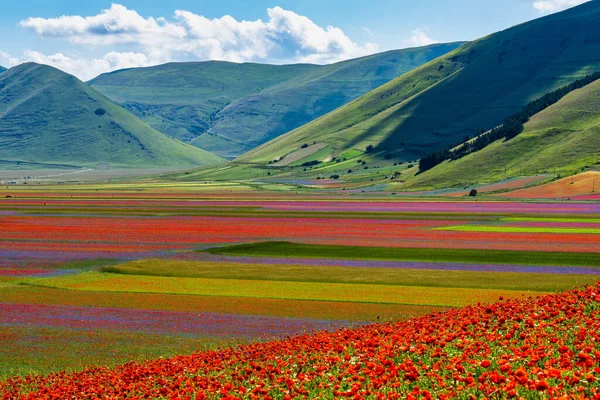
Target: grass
{"points": [[519, 229], [288, 249], [230, 108], [49, 117], [352, 275], [42, 350], [362, 293], [562, 139], [570, 220]]}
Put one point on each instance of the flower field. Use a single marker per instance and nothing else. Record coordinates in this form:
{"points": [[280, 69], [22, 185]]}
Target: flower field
{"points": [[547, 346], [277, 296]]}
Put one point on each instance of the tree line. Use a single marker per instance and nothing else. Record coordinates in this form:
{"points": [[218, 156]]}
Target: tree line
{"points": [[511, 127]]}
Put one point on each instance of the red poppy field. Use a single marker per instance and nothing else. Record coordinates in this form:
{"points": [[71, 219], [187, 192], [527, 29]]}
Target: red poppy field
{"points": [[547, 346], [146, 294]]}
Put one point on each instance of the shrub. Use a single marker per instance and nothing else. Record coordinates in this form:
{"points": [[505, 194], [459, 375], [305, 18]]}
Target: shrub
{"points": [[310, 163], [100, 111]]}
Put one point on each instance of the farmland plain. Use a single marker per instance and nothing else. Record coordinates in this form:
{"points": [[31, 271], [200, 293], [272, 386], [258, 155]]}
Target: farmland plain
{"points": [[105, 274]]}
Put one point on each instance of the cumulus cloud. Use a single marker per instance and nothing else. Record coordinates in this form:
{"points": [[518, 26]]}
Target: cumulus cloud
{"points": [[81, 67], [420, 38], [88, 68], [284, 37], [551, 6]]}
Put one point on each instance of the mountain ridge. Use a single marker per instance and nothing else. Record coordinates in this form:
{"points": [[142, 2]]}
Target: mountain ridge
{"points": [[233, 121], [439, 103], [85, 129]]}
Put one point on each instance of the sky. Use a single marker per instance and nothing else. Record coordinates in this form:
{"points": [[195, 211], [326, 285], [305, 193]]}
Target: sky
{"points": [[90, 37]]}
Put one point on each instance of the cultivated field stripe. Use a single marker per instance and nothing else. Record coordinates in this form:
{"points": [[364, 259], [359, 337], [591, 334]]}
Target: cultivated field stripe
{"points": [[496, 277], [300, 250], [413, 295], [518, 229]]}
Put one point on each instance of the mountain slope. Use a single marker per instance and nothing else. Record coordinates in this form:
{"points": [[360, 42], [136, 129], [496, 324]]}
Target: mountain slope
{"points": [[47, 116], [564, 138], [231, 108], [2, 69], [474, 87]]}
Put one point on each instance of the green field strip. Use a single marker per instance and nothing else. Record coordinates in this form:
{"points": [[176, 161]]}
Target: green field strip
{"points": [[362, 293], [256, 213], [518, 229], [300, 250], [539, 282], [548, 219]]}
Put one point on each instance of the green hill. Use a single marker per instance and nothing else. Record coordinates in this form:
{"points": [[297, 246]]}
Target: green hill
{"points": [[231, 108], [474, 87], [50, 117], [564, 138]]}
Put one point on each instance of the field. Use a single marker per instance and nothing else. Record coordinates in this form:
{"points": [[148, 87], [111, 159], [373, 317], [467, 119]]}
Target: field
{"points": [[544, 347], [578, 187], [106, 274]]}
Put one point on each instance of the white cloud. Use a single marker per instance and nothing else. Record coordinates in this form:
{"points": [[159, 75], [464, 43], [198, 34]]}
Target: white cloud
{"points": [[83, 68], [551, 6], [6, 60], [420, 38], [87, 69], [284, 37]]}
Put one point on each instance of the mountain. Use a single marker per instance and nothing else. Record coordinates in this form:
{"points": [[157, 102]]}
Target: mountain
{"points": [[48, 116], [230, 108], [2, 69], [474, 87], [564, 139]]}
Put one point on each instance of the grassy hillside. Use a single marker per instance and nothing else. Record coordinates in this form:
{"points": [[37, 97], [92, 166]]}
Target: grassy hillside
{"points": [[231, 108], [474, 87], [564, 138], [47, 116]]}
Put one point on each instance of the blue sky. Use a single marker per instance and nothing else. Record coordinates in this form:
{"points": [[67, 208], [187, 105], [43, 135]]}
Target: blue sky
{"points": [[88, 37]]}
